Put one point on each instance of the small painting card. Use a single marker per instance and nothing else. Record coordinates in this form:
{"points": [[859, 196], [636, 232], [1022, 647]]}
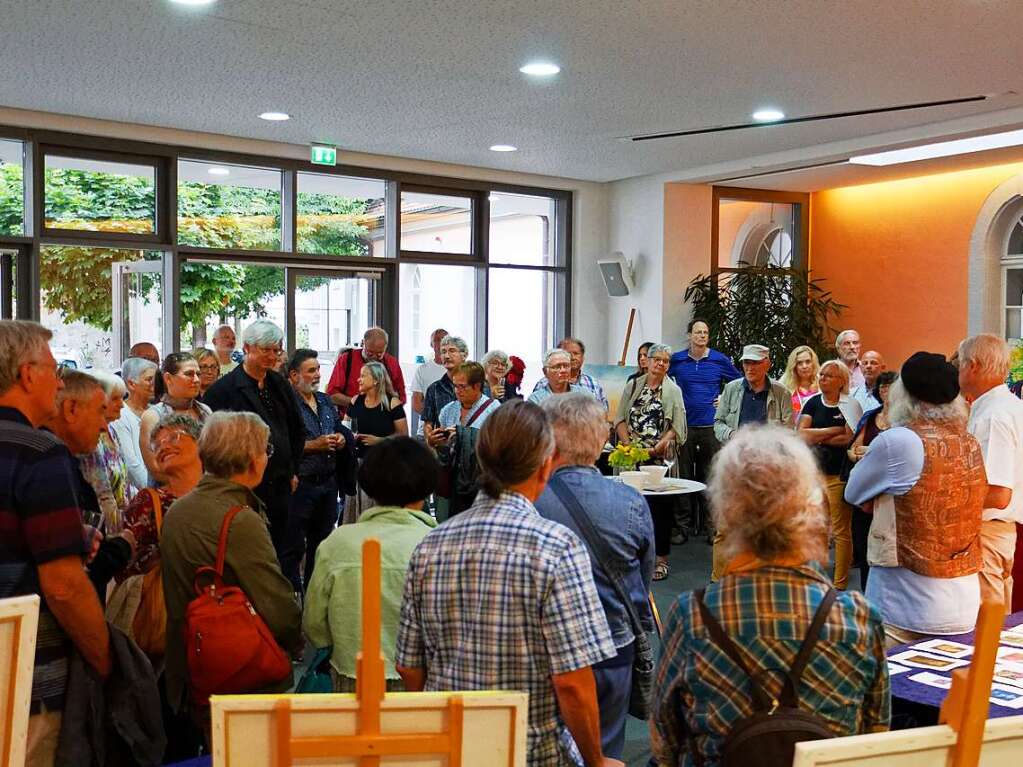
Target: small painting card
{"points": [[895, 668], [1003, 695], [1012, 639], [1012, 655], [1016, 629], [918, 659], [1008, 675], [932, 679], [946, 647]]}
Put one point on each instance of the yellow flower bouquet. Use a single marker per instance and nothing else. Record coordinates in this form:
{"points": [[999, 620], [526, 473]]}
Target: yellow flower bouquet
{"points": [[627, 457]]}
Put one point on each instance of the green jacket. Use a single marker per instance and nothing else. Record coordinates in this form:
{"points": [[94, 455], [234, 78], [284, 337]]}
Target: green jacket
{"points": [[188, 541], [726, 419], [333, 600]]}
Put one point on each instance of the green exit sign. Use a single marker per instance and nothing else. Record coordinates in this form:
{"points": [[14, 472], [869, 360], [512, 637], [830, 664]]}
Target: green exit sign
{"points": [[321, 154]]}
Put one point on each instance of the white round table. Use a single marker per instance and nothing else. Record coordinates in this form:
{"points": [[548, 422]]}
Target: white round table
{"points": [[675, 487]]}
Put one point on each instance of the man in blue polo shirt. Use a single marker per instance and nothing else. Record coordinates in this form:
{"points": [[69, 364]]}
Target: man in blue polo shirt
{"points": [[700, 372]]}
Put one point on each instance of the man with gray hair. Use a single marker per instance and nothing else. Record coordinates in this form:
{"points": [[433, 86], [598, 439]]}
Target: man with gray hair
{"points": [[254, 387], [557, 370], [619, 517], [42, 546], [847, 344], [453, 354], [344, 379], [577, 356], [996, 420]]}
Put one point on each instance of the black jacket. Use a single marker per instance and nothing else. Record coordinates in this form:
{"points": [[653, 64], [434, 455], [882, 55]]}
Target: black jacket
{"points": [[239, 392], [116, 722]]}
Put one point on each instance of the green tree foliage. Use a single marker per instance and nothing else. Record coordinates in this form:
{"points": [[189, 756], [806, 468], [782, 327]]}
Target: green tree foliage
{"points": [[77, 279], [776, 306]]}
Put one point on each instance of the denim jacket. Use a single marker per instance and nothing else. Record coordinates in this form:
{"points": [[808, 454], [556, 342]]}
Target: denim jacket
{"points": [[621, 515]]}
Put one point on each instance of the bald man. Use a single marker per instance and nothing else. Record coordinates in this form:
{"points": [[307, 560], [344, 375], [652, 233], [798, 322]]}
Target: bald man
{"points": [[146, 351], [872, 365]]}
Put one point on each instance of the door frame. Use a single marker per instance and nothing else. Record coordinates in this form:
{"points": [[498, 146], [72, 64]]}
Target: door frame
{"points": [[120, 327]]}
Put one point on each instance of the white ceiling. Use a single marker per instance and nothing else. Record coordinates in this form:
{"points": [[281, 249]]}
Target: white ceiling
{"points": [[438, 79]]}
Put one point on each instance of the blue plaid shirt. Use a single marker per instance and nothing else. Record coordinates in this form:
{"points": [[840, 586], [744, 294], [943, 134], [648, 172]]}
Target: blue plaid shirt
{"points": [[324, 421], [585, 382], [499, 598], [766, 612]]}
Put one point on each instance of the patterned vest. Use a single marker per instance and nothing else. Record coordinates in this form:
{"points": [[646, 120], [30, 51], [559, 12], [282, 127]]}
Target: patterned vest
{"points": [[938, 520]]}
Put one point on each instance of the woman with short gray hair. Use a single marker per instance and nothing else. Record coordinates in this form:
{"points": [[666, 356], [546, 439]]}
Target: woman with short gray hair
{"points": [[768, 500], [139, 378], [234, 449], [496, 365], [651, 414]]}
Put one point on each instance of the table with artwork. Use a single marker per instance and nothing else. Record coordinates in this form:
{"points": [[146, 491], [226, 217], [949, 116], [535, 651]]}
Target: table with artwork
{"points": [[921, 671]]}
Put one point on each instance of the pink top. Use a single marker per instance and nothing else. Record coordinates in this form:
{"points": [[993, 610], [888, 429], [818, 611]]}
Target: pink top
{"points": [[799, 398]]}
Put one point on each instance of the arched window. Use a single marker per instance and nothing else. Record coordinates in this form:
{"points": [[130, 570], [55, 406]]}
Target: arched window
{"points": [[1012, 273]]}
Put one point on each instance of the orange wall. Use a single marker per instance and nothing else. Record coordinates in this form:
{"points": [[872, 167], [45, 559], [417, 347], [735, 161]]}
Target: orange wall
{"points": [[896, 253]]}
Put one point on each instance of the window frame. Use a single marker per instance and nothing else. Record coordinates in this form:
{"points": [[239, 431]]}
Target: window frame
{"points": [[800, 243], [38, 143]]}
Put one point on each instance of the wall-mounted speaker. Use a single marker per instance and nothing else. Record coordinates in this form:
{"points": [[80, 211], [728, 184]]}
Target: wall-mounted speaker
{"points": [[617, 275]]}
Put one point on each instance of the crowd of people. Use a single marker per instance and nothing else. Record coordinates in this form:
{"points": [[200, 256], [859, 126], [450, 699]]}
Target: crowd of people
{"points": [[509, 559]]}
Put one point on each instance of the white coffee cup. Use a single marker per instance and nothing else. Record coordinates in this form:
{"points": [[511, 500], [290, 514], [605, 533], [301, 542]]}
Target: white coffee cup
{"points": [[635, 479]]}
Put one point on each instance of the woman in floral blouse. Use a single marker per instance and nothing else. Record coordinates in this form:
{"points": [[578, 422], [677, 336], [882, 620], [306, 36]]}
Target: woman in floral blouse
{"points": [[651, 414]]}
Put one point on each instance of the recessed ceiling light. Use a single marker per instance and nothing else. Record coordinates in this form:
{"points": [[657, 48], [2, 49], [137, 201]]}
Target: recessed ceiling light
{"points": [[216, 170], [768, 115], [275, 116], [540, 69], [942, 149], [504, 148], [194, 2]]}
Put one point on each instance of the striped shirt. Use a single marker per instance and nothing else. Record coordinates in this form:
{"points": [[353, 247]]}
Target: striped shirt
{"points": [[39, 522], [499, 598], [767, 613]]}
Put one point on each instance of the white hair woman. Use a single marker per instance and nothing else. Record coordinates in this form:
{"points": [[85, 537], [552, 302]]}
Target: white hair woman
{"points": [[823, 423], [925, 484], [376, 414], [139, 377], [234, 450], [104, 468], [495, 366], [651, 414], [767, 498]]}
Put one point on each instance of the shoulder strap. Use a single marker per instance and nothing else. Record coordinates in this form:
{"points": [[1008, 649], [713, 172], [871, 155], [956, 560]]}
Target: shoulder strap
{"points": [[157, 508], [601, 553], [761, 700], [222, 542], [478, 413], [790, 696]]}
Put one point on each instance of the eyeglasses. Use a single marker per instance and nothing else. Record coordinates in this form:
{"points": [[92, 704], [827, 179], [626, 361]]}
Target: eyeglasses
{"points": [[463, 387], [659, 361], [275, 350], [209, 368], [173, 436]]}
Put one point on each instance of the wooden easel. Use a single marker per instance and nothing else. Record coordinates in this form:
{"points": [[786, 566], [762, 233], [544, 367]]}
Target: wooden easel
{"points": [[628, 337], [966, 706], [369, 743]]}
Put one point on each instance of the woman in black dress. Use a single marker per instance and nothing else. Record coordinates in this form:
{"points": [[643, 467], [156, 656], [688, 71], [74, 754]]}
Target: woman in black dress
{"points": [[376, 414]]}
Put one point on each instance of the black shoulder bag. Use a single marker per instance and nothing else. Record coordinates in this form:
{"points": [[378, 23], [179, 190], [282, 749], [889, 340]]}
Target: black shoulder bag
{"points": [[605, 559], [776, 725]]}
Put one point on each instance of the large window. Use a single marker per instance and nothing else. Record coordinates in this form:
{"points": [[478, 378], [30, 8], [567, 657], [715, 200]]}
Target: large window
{"points": [[229, 206], [12, 188], [433, 223], [340, 216], [77, 302], [123, 241], [759, 228], [1012, 278], [433, 296], [99, 196]]}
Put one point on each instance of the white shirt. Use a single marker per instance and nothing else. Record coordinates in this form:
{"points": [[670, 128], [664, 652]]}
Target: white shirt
{"points": [[996, 420], [865, 397], [127, 429], [425, 375]]}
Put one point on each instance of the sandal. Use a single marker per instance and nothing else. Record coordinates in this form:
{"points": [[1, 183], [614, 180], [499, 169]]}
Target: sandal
{"points": [[661, 571]]}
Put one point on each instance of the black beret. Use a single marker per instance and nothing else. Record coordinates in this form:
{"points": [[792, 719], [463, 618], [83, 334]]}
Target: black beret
{"points": [[931, 378]]}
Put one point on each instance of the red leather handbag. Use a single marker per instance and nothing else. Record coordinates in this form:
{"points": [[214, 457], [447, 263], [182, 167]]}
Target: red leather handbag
{"points": [[229, 648]]}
